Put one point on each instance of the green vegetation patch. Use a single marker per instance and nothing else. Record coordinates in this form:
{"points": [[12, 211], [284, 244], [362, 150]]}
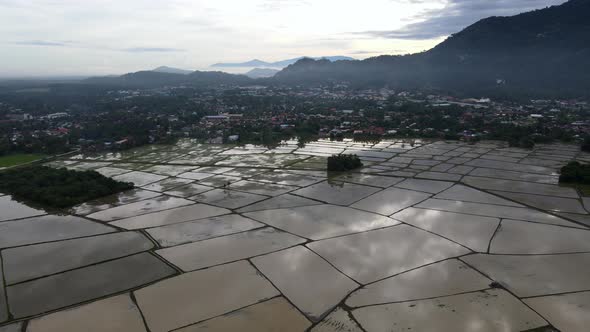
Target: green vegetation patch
{"points": [[58, 188], [344, 162], [18, 159], [574, 172]]}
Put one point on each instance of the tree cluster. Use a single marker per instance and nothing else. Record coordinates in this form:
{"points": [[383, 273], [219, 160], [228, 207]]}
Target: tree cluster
{"points": [[574, 172], [58, 188], [344, 162]]}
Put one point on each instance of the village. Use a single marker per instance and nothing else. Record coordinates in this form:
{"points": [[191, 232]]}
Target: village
{"points": [[244, 115]]}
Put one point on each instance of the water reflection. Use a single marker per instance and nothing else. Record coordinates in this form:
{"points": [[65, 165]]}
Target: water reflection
{"points": [[530, 275], [307, 280], [439, 279], [301, 141], [492, 310], [322, 221], [371, 256], [16, 209]]}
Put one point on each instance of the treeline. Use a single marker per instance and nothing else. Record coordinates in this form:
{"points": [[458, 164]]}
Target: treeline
{"points": [[42, 144], [527, 136]]}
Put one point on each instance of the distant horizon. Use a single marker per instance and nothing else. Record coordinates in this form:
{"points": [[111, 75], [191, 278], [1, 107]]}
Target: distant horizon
{"points": [[65, 38], [229, 70]]}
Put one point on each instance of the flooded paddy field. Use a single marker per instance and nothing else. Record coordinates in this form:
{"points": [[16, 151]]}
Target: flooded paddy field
{"points": [[427, 236]]}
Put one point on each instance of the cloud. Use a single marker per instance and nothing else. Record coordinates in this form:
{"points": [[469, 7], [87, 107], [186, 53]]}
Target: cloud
{"points": [[41, 43], [363, 52], [457, 15], [274, 5], [395, 51], [46, 43], [152, 50]]}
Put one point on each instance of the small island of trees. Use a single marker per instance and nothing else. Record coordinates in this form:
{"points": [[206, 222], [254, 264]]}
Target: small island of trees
{"points": [[343, 163], [58, 188], [575, 172]]}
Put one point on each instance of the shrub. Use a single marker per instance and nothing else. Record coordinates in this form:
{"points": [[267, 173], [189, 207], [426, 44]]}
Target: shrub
{"points": [[343, 162]]}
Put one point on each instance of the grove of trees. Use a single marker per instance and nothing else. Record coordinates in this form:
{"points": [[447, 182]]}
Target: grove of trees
{"points": [[58, 188]]}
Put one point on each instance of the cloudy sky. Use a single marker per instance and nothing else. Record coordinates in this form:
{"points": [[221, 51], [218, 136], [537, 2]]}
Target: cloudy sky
{"points": [[95, 37]]}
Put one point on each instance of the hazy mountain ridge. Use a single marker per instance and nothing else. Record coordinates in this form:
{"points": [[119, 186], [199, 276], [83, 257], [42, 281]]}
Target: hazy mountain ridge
{"points": [[163, 76], [278, 64], [172, 70], [262, 72], [541, 51], [157, 79]]}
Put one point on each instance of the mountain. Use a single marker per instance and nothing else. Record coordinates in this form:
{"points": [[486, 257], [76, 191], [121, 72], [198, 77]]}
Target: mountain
{"points": [[277, 64], [216, 78], [262, 72], [139, 79], [251, 63], [171, 70], [546, 51], [152, 79], [285, 63]]}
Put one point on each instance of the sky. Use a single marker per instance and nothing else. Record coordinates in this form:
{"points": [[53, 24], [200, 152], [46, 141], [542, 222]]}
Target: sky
{"points": [[106, 37]]}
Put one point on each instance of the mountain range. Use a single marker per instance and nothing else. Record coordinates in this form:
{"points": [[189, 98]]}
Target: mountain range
{"points": [[545, 52], [278, 64], [153, 79]]}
